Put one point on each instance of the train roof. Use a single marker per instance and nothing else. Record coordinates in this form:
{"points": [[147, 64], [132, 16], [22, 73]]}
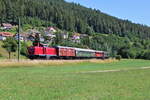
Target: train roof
{"points": [[80, 49], [64, 47], [88, 50], [99, 51]]}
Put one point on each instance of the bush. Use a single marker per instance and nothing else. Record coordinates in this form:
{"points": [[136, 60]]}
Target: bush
{"points": [[24, 49], [146, 55], [118, 57], [1, 55]]}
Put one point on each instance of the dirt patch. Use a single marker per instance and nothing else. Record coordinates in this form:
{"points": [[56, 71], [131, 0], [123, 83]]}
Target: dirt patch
{"points": [[117, 70]]}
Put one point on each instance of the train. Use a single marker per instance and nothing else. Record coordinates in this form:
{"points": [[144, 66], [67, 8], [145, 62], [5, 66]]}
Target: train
{"points": [[41, 51]]}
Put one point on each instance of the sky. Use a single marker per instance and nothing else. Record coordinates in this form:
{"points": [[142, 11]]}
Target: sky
{"points": [[136, 11]]}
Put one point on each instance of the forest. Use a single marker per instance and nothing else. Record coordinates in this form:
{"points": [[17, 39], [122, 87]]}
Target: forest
{"points": [[105, 32]]}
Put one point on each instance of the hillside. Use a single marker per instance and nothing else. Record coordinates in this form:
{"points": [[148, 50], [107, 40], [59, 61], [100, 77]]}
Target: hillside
{"points": [[4, 53], [68, 16], [105, 32]]}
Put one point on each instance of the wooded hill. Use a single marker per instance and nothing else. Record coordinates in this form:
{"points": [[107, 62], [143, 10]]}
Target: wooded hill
{"points": [[69, 16], [76, 18]]}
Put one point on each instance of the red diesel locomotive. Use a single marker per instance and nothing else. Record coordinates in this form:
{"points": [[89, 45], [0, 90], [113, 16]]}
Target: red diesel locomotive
{"points": [[63, 52]]}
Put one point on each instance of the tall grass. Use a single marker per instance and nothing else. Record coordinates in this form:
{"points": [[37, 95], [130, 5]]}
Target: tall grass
{"points": [[34, 63]]}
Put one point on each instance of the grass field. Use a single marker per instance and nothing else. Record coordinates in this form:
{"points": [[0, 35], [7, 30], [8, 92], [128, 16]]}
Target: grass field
{"points": [[75, 82]]}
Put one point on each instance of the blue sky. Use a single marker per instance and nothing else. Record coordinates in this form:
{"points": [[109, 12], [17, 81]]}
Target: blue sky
{"points": [[136, 11]]}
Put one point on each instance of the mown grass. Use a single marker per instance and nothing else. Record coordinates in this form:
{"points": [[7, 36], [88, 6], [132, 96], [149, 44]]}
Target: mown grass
{"points": [[65, 82]]}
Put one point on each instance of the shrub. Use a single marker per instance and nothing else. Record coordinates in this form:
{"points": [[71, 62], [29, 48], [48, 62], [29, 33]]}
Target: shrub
{"points": [[24, 49], [1, 55], [146, 55], [118, 57]]}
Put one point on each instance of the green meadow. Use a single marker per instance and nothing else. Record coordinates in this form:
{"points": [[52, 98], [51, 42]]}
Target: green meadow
{"points": [[77, 81]]}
